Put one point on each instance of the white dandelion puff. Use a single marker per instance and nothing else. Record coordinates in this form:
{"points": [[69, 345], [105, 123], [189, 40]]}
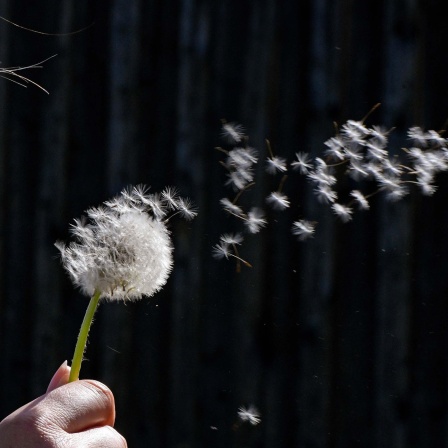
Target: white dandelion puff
{"points": [[121, 250], [122, 255]]}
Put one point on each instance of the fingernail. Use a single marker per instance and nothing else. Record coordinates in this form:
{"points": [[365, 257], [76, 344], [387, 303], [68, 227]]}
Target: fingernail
{"points": [[60, 377]]}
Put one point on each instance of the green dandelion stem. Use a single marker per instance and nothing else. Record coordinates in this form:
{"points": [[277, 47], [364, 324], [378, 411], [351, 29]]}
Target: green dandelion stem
{"points": [[82, 337]]}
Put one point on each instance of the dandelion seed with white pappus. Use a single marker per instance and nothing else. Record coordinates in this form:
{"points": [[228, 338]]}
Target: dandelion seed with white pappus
{"points": [[238, 179], [344, 212], [232, 238], [255, 220], [360, 199], [325, 194], [302, 164], [379, 135], [170, 197], [335, 147], [230, 207], [436, 139], [224, 249], [275, 164], [303, 229], [241, 157], [249, 414], [375, 151], [278, 200], [220, 251], [353, 152], [357, 170], [417, 135], [232, 132], [121, 251]]}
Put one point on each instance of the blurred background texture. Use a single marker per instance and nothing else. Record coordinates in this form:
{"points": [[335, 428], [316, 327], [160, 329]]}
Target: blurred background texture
{"points": [[339, 341]]}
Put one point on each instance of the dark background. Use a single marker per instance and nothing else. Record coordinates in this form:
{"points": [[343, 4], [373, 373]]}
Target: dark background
{"points": [[340, 341]]}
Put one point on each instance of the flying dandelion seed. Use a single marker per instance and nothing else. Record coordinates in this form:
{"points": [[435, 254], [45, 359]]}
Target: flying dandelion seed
{"points": [[249, 414]]}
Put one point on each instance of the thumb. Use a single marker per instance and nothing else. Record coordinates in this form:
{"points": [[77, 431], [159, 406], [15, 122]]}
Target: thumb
{"points": [[60, 377]]}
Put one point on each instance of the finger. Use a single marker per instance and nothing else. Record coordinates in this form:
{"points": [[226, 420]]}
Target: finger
{"points": [[78, 406], [98, 438], [60, 377]]}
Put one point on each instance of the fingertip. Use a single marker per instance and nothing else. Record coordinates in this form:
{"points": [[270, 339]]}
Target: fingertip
{"points": [[105, 392]]}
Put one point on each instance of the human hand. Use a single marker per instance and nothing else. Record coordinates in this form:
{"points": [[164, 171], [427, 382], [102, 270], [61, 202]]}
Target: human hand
{"points": [[80, 414]]}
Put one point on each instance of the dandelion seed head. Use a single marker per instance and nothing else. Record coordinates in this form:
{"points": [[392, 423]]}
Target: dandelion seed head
{"points": [[127, 256], [121, 250]]}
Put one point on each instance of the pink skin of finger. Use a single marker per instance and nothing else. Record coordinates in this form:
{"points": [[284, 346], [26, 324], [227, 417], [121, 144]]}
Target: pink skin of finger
{"points": [[69, 415]]}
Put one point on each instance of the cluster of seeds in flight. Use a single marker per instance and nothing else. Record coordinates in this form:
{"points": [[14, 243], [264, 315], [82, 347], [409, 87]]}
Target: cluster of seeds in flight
{"points": [[356, 150]]}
